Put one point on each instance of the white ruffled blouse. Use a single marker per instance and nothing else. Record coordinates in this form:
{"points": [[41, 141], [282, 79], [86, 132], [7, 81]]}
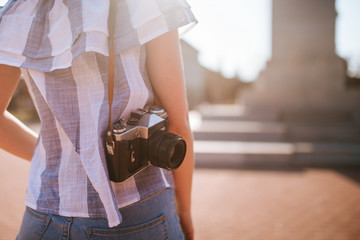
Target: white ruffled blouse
{"points": [[62, 48]]}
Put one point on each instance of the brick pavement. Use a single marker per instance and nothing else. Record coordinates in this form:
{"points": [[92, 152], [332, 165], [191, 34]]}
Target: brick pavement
{"points": [[296, 204]]}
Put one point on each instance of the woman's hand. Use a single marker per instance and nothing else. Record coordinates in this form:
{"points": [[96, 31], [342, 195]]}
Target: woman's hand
{"points": [[187, 225]]}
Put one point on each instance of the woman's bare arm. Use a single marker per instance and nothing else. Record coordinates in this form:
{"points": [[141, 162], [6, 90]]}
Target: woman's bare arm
{"points": [[165, 70], [15, 137]]}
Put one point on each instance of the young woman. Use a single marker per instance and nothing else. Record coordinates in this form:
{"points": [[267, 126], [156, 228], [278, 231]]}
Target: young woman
{"points": [[61, 49]]}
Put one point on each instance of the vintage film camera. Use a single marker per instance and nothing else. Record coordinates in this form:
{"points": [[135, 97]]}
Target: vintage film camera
{"points": [[141, 141]]}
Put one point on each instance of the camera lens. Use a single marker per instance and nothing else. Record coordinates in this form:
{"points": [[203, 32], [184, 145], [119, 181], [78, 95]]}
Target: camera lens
{"points": [[166, 150]]}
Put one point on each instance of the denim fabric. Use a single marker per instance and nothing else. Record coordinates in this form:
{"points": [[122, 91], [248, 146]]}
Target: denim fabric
{"points": [[151, 218]]}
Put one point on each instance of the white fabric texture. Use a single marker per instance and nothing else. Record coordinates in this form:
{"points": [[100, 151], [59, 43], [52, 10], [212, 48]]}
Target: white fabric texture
{"points": [[62, 48]]}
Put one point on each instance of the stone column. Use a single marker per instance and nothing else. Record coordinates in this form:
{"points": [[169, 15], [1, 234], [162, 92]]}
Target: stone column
{"points": [[304, 72]]}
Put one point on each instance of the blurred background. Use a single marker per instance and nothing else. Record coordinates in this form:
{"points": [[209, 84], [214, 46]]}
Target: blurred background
{"points": [[274, 92]]}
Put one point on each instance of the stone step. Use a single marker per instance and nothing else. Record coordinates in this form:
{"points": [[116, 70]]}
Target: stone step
{"points": [[288, 117], [236, 113], [295, 100], [323, 132], [229, 130], [234, 154], [239, 131], [318, 116], [239, 113]]}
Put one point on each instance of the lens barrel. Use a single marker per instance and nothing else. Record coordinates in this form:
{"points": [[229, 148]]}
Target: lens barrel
{"points": [[166, 150]]}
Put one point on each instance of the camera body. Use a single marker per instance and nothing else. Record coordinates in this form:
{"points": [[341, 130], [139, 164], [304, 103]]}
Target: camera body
{"points": [[141, 141]]}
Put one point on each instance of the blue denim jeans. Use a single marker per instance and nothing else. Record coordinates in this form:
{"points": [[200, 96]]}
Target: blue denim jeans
{"points": [[150, 218]]}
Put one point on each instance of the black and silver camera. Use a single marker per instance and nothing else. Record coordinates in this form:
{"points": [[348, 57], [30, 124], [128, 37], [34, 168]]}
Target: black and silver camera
{"points": [[141, 141]]}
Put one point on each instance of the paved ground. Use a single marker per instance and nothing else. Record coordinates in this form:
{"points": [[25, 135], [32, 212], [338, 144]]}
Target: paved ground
{"points": [[292, 204], [309, 204]]}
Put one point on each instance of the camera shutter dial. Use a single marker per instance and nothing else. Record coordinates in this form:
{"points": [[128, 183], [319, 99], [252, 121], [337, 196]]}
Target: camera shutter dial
{"points": [[118, 129]]}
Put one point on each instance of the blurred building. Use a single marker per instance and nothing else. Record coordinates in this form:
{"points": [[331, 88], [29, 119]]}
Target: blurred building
{"points": [[300, 111], [304, 78], [194, 75], [222, 90], [206, 86]]}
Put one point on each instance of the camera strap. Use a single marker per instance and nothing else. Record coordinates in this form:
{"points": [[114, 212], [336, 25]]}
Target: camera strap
{"points": [[111, 69]]}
